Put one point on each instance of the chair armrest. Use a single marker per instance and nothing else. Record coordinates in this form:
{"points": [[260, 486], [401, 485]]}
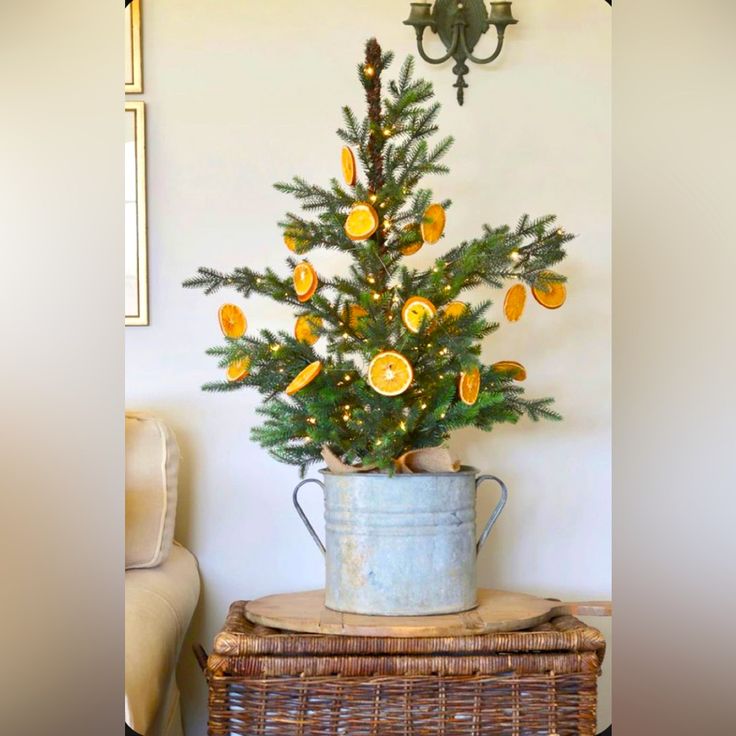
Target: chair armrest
{"points": [[159, 603]]}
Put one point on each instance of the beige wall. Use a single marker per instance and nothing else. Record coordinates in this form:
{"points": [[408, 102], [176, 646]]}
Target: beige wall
{"points": [[241, 94]]}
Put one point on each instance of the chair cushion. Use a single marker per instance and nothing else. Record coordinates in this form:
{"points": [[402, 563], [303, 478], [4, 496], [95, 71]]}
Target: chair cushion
{"points": [[151, 473], [159, 604]]}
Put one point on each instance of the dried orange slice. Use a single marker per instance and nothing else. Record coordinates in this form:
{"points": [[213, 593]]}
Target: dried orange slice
{"points": [[412, 248], [433, 223], [512, 368], [232, 321], [304, 377], [362, 222], [290, 242], [417, 311], [469, 386], [513, 304], [348, 166], [238, 369], [305, 328], [351, 313], [305, 281], [309, 294], [455, 309], [390, 373], [552, 294]]}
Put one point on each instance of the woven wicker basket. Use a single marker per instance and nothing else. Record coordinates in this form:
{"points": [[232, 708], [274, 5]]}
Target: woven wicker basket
{"points": [[264, 682]]}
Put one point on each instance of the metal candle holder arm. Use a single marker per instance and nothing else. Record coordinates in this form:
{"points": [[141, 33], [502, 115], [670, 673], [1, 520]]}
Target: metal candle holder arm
{"points": [[460, 25]]}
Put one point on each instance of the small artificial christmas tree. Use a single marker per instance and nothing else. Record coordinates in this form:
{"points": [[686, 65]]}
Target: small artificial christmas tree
{"points": [[399, 365]]}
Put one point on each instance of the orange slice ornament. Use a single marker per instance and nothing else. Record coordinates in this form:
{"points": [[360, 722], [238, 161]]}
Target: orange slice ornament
{"points": [[412, 248], [238, 369], [390, 373], [309, 294], [454, 310], [304, 377], [347, 159], [417, 311], [295, 239], [305, 281], [362, 222], [232, 321], [306, 327], [433, 223], [513, 304], [515, 370], [552, 294], [468, 386], [352, 313]]}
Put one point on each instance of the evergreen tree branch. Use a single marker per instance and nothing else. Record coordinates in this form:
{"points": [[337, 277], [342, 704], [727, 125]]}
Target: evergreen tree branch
{"points": [[360, 312]]}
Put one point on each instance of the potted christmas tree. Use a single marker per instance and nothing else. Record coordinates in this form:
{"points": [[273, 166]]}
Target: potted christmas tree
{"points": [[383, 363]]}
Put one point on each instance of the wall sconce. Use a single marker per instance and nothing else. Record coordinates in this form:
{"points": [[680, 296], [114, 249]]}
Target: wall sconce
{"points": [[460, 25]]}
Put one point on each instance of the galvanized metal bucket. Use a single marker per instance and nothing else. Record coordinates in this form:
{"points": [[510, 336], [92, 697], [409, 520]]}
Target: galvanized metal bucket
{"points": [[401, 545]]}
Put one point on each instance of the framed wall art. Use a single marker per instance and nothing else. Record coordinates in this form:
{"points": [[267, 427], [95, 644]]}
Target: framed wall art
{"points": [[136, 247], [133, 65]]}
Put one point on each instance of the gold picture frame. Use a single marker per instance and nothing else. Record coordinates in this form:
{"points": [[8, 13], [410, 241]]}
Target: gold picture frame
{"points": [[133, 65], [136, 244]]}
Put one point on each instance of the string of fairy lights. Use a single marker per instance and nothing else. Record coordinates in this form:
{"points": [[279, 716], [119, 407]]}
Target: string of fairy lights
{"points": [[384, 294]]}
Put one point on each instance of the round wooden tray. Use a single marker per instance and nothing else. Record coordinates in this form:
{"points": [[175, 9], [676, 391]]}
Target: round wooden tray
{"points": [[498, 610]]}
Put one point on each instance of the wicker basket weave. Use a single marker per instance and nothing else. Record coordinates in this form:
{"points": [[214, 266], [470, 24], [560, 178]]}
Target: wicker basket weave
{"points": [[264, 682]]}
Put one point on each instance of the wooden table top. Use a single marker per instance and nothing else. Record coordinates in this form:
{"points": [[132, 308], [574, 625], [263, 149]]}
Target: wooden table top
{"points": [[497, 610]]}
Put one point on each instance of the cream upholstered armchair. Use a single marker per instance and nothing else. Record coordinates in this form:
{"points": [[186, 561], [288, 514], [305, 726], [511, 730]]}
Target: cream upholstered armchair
{"points": [[161, 578]]}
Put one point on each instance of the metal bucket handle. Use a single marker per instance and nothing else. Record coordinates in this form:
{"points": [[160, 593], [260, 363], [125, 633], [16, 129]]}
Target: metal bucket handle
{"points": [[496, 512], [303, 516]]}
